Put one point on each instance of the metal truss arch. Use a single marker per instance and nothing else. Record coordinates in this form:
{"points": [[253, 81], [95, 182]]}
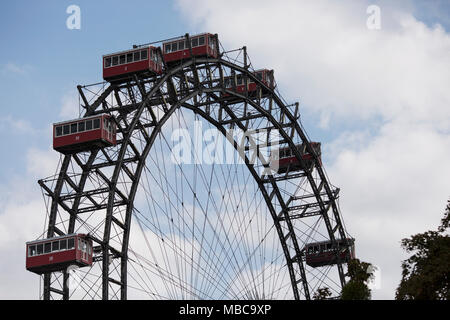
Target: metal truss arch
{"points": [[196, 85]]}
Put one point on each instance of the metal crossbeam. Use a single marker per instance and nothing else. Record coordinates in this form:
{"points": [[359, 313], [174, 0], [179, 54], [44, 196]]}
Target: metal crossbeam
{"points": [[192, 84]]}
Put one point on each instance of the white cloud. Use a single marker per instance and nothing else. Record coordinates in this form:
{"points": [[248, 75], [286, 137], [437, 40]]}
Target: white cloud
{"points": [[396, 186], [14, 68], [19, 126], [42, 163], [69, 106], [22, 218], [392, 173], [323, 53]]}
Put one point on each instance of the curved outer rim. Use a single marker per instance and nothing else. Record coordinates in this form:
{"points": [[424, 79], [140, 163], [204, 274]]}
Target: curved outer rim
{"points": [[181, 103]]}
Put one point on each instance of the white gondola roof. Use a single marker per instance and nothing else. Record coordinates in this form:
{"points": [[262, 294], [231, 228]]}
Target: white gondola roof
{"points": [[51, 239], [79, 119], [326, 242]]}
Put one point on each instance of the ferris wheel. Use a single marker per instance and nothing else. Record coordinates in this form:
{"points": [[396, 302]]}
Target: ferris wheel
{"points": [[188, 176]]}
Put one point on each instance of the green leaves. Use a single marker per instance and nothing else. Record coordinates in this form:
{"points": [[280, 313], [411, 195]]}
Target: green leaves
{"points": [[426, 273], [356, 288], [322, 294]]}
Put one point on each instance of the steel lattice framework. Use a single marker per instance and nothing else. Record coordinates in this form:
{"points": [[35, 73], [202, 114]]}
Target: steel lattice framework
{"points": [[96, 191]]}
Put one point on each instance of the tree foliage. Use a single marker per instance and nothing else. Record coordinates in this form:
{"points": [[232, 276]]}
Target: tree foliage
{"points": [[360, 274], [322, 294], [426, 274]]}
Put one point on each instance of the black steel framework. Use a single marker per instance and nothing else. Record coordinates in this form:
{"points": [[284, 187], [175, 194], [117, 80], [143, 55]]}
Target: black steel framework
{"points": [[105, 181]]}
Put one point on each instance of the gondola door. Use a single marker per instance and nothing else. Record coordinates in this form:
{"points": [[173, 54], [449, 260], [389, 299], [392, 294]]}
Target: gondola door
{"points": [[85, 254], [82, 248]]}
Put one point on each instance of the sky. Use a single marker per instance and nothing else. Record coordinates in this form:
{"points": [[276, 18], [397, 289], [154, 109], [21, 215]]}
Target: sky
{"points": [[377, 99]]}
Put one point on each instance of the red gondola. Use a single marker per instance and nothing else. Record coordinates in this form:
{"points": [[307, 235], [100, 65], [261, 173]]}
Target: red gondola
{"points": [[84, 134], [286, 159], [56, 254], [202, 45], [264, 75], [321, 254], [118, 67]]}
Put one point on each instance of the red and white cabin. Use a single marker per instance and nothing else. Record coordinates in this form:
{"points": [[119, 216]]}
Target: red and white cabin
{"points": [[264, 75], [56, 254], [119, 67], [286, 159], [84, 134], [203, 45], [321, 254]]}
